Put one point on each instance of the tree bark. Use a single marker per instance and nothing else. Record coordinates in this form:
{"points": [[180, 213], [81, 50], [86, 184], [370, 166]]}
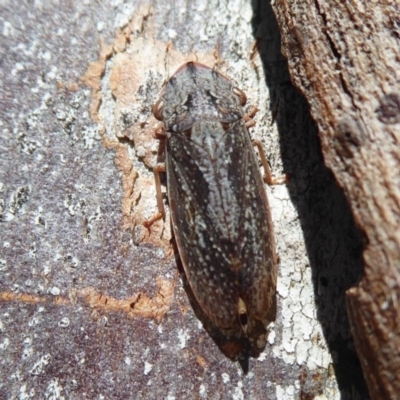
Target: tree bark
{"points": [[344, 57], [91, 303]]}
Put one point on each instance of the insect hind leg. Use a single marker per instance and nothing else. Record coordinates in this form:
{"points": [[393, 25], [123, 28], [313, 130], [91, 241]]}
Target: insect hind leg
{"points": [[267, 170], [249, 123]]}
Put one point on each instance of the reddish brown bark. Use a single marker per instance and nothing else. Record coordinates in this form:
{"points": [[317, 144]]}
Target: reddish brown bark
{"points": [[344, 57]]}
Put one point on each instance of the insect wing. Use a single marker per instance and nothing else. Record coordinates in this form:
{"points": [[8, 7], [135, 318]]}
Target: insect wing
{"points": [[221, 220]]}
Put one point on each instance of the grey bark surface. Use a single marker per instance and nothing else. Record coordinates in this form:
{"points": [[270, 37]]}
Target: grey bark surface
{"points": [[344, 57], [91, 303]]}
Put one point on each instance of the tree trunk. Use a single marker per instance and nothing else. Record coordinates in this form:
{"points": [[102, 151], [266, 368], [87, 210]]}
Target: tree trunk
{"points": [[345, 59]]}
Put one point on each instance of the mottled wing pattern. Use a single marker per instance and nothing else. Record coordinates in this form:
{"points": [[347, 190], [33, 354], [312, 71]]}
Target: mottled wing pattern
{"points": [[221, 220], [218, 204], [258, 272]]}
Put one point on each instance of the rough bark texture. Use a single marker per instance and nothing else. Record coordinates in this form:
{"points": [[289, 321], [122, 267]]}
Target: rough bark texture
{"points": [[91, 303], [345, 58]]}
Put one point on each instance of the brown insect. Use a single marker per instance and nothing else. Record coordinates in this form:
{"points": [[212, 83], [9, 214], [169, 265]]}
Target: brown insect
{"points": [[219, 209]]}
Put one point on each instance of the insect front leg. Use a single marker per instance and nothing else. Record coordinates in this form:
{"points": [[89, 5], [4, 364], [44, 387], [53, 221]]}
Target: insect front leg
{"points": [[159, 168]]}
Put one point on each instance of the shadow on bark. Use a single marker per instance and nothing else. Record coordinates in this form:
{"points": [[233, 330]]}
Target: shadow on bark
{"points": [[334, 244]]}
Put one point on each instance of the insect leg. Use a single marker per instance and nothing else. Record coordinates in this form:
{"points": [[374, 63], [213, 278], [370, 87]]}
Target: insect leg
{"points": [[159, 168], [267, 170], [160, 205], [248, 118], [249, 122]]}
